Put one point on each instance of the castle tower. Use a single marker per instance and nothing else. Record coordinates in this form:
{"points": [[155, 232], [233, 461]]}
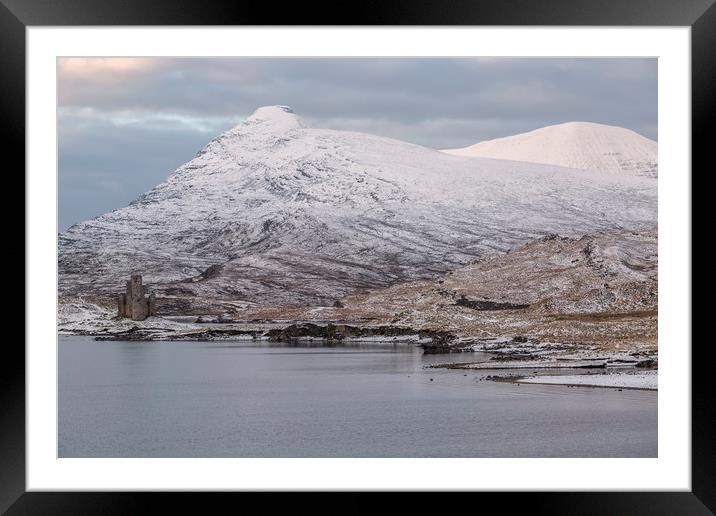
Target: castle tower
{"points": [[132, 303]]}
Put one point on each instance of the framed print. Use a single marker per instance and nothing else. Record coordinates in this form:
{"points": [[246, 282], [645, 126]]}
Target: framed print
{"points": [[437, 250]]}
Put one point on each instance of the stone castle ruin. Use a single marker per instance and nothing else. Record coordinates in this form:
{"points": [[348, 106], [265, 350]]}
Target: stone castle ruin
{"points": [[133, 304]]}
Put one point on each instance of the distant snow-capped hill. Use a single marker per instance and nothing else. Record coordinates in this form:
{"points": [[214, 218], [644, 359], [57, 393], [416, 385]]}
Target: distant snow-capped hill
{"points": [[579, 145], [276, 212]]}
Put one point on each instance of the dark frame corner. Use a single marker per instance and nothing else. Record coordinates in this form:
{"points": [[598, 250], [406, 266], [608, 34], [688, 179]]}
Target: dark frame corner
{"points": [[16, 15]]}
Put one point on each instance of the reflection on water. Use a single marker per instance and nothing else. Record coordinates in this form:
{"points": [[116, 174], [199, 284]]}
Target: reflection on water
{"points": [[250, 399]]}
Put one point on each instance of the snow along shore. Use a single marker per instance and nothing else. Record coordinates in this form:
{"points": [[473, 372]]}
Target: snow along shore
{"points": [[647, 380]]}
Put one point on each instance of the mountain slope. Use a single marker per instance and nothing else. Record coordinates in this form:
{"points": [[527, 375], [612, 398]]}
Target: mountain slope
{"points": [[275, 212], [580, 145], [599, 289]]}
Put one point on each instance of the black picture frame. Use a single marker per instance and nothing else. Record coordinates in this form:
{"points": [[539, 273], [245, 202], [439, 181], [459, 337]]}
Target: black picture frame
{"points": [[16, 15]]}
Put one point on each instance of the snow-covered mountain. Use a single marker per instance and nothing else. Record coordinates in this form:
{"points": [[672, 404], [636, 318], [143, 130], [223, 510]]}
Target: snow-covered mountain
{"points": [[276, 212], [580, 145]]}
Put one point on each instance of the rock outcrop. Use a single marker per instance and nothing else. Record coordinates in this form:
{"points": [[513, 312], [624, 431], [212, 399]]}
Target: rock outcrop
{"points": [[133, 304]]}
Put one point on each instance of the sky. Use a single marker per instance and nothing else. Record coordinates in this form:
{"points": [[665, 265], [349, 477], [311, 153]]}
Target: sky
{"points": [[124, 124]]}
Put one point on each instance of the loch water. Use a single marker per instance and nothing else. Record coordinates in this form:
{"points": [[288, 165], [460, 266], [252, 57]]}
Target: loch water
{"points": [[260, 399]]}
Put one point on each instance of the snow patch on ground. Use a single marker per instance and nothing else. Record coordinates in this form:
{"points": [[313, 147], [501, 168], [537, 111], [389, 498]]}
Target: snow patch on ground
{"points": [[642, 380], [84, 317], [538, 364]]}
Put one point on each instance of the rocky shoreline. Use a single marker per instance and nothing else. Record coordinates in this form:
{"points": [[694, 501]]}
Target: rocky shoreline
{"points": [[547, 362], [274, 331]]}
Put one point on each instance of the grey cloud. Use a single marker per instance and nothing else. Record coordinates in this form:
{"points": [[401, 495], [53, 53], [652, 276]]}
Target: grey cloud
{"points": [[103, 166]]}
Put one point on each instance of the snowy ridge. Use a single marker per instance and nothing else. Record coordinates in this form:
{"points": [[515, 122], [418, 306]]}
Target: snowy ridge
{"points": [[275, 212], [579, 145]]}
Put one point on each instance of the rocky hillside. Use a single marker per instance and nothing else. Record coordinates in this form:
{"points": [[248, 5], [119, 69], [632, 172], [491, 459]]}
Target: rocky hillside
{"points": [[274, 212], [579, 145], [598, 289]]}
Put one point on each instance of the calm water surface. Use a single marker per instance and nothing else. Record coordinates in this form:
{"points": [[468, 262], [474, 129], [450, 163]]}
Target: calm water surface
{"points": [[245, 399]]}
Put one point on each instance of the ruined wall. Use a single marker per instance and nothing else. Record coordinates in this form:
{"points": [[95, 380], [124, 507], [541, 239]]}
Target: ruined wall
{"points": [[122, 305]]}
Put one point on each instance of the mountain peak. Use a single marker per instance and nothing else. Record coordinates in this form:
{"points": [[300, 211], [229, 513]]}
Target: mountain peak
{"points": [[581, 126], [577, 145], [268, 112], [279, 118]]}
